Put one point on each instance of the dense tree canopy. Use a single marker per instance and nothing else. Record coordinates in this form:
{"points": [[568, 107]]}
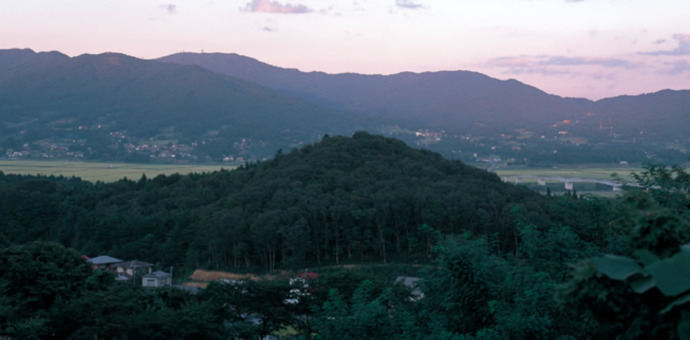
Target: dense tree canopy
{"points": [[342, 200], [489, 256]]}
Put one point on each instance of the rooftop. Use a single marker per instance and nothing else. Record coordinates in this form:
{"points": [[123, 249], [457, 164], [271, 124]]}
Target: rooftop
{"points": [[134, 264], [103, 259], [157, 274]]}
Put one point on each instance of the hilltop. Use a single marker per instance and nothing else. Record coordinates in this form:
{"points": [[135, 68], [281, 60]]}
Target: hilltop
{"points": [[343, 199], [364, 218]]}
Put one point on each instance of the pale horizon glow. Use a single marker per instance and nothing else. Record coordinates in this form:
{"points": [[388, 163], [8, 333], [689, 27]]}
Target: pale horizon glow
{"points": [[572, 48]]}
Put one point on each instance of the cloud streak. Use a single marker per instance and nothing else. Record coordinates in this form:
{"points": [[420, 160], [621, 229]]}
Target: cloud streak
{"points": [[407, 4], [577, 61], [267, 6], [552, 65], [679, 67], [171, 8], [683, 48]]}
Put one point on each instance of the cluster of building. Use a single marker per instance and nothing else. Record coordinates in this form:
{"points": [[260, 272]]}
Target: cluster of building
{"points": [[131, 270]]}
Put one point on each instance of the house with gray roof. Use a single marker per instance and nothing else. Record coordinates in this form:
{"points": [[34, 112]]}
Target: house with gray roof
{"points": [[127, 270], [104, 262], [156, 279]]}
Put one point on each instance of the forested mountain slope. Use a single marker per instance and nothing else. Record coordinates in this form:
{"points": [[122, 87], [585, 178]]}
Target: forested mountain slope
{"points": [[107, 105], [470, 116], [462, 101], [364, 198], [216, 107], [458, 101], [494, 260]]}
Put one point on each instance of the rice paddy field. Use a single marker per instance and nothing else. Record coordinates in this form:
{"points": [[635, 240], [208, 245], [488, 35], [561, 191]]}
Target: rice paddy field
{"points": [[603, 173], [111, 172], [574, 172], [104, 172]]}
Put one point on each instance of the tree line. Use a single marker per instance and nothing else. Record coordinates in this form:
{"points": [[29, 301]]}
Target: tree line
{"points": [[364, 198], [495, 260]]}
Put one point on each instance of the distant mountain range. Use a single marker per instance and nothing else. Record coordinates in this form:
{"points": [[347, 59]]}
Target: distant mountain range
{"points": [[112, 101], [200, 107], [458, 100]]}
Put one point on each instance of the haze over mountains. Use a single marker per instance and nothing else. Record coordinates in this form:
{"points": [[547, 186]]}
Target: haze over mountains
{"points": [[200, 107], [450, 99]]}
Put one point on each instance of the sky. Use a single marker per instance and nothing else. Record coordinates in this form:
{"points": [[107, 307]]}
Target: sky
{"points": [[572, 48]]}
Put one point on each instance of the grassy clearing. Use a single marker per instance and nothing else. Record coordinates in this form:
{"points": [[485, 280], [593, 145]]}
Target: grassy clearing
{"points": [[104, 172], [603, 173]]}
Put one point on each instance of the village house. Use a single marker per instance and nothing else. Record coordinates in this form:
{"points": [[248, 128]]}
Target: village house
{"points": [[127, 270], [104, 262], [157, 279], [131, 271]]}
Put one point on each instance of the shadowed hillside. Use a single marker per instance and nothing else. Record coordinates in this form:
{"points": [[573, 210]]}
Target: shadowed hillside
{"points": [[460, 100], [195, 108], [48, 95], [364, 198], [505, 118]]}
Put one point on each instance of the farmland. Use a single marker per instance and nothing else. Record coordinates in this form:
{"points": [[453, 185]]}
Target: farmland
{"points": [[111, 172], [98, 171], [581, 178], [573, 171]]}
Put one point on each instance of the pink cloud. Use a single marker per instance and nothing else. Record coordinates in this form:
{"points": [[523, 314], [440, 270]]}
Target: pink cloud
{"points": [[268, 6], [510, 62], [555, 65], [682, 49], [524, 65], [678, 67], [570, 61]]}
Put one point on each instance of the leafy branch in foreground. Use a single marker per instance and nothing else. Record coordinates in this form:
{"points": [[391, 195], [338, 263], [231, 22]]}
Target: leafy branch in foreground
{"points": [[646, 292]]}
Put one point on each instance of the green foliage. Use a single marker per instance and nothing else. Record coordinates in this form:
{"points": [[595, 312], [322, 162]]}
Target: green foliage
{"points": [[343, 200], [669, 186], [493, 252], [40, 273], [254, 308], [639, 296], [49, 292], [474, 293], [369, 315]]}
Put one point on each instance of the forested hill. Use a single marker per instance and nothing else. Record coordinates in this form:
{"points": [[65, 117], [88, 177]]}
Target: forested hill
{"points": [[116, 107], [364, 198], [453, 100], [465, 102]]}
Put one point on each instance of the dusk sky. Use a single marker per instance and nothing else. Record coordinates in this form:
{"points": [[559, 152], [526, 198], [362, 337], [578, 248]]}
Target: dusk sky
{"points": [[574, 48]]}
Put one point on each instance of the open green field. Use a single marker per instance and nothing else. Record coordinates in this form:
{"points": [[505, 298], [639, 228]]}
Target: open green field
{"points": [[578, 171], [110, 172], [603, 173], [104, 172]]}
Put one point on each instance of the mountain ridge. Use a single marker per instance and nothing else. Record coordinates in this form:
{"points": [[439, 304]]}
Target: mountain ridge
{"points": [[236, 107], [142, 98], [471, 104], [396, 95]]}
